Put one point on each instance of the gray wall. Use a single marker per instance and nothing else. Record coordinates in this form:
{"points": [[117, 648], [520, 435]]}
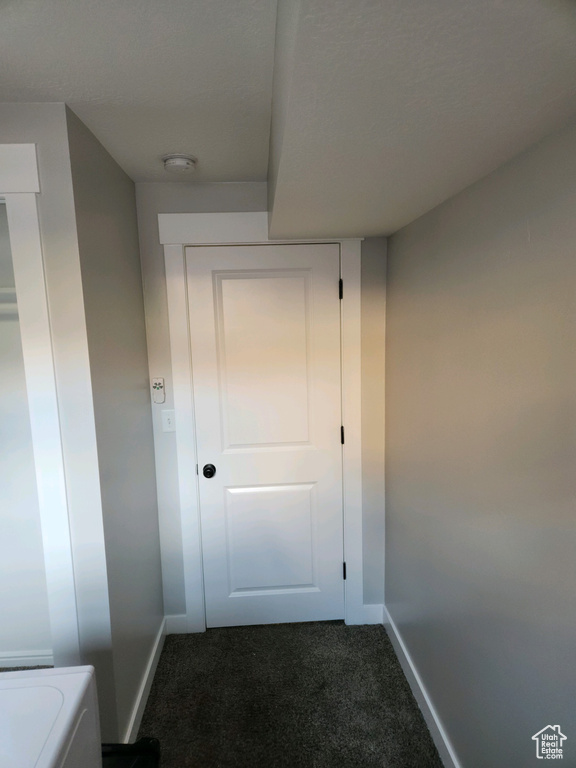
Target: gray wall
{"points": [[373, 296], [25, 621], [105, 208], [481, 455]]}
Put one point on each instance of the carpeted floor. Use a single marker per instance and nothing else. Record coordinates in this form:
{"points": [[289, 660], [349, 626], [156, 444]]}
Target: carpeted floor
{"points": [[318, 695]]}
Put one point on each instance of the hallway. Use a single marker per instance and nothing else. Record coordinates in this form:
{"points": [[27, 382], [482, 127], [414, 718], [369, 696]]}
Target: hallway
{"points": [[314, 695]]}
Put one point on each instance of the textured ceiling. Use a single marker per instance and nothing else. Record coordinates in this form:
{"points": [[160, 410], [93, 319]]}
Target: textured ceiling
{"points": [[382, 110], [150, 77]]}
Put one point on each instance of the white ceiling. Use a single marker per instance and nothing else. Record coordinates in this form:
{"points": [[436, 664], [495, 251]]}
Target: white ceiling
{"points": [[381, 108], [150, 77], [395, 106]]}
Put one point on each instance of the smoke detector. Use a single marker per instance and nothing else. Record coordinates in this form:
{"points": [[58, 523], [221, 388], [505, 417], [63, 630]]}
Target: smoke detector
{"points": [[179, 163]]}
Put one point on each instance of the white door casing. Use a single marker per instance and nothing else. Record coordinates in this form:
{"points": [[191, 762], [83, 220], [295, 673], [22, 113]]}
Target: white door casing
{"points": [[19, 185], [265, 338], [176, 232]]}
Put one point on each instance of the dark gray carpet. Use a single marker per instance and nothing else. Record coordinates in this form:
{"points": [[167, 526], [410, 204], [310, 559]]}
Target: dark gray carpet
{"points": [[318, 695], [22, 669]]}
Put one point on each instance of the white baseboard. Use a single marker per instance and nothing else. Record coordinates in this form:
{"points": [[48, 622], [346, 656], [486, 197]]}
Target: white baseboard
{"points": [[26, 658], [176, 624], [145, 685], [443, 745]]}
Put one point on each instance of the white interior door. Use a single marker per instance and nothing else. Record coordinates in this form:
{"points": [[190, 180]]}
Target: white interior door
{"points": [[265, 335]]}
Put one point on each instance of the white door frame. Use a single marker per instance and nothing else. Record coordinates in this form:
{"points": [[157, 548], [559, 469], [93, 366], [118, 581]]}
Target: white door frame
{"points": [[19, 185], [178, 230]]}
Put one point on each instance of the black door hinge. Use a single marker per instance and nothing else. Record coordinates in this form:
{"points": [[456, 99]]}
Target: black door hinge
{"points": [[196, 468], [341, 288], [342, 435], [344, 571]]}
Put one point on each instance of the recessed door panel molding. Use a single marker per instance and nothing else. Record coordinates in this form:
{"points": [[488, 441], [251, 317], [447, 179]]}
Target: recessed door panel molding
{"points": [[264, 326], [263, 342], [271, 535]]}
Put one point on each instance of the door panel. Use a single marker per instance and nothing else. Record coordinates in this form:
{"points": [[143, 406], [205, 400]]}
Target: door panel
{"points": [[278, 523], [265, 334], [263, 330]]}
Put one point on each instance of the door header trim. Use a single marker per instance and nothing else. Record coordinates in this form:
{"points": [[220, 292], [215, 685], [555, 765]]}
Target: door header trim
{"points": [[222, 229]]}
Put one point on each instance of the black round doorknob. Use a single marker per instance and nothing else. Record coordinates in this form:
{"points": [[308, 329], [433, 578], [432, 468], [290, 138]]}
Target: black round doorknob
{"points": [[209, 470]]}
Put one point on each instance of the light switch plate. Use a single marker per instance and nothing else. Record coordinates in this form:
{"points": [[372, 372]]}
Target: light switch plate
{"points": [[168, 421]]}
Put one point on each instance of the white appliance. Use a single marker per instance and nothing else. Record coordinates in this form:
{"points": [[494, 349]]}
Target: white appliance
{"points": [[49, 719]]}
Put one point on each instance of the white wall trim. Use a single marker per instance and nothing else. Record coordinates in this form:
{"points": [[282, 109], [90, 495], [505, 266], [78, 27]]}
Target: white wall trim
{"points": [[26, 658], [145, 685], [212, 228], [19, 168], [350, 266], [18, 186], [177, 624], [222, 229], [439, 735], [185, 436], [176, 232]]}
